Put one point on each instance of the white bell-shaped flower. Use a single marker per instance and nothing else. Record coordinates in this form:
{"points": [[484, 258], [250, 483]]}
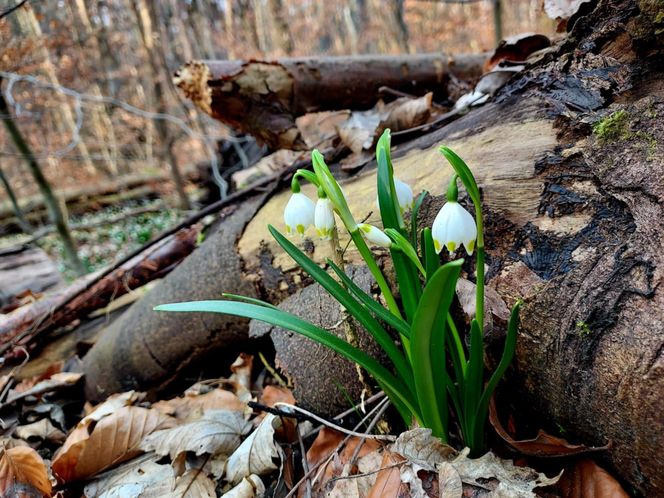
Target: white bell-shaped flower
{"points": [[375, 235], [299, 214], [452, 227], [324, 218], [404, 195]]}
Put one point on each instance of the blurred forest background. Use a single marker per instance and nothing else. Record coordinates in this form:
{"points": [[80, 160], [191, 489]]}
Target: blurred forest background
{"points": [[87, 85]]}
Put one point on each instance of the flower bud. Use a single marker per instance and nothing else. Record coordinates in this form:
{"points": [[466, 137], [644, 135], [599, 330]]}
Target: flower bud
{"points": [[299, 214], [375, 235]]}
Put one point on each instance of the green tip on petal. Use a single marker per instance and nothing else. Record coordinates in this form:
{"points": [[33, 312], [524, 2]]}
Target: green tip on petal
{"points": [[470, 247], [300, 229], [451, 246], [437, 246]]}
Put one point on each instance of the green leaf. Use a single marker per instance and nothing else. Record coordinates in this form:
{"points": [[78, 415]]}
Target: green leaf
{"points": [[405, 246], [393, 387], [372, 305], [347, 301], [246, 299], [505, 360], [429, 255], [388, 203], [413, 217], [474, 382], [427, 331]]}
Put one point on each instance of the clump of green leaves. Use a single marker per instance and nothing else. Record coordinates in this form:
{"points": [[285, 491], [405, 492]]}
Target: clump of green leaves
{"points": [[431, 372], [615, 126]]}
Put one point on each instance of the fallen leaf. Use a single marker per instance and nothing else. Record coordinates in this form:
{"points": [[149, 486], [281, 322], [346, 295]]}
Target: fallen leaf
{"points": [[409, 476], [192, 406], [265, 166], [56, 381], [23, 473], [562, 9], [216, 432], [586, 479], [388, 481], [144, 478], [420, 447], [512, 480], [450, 484], [42, 429], [249, 487], [496, 311], [256, 454], [114, 439], [517, 48], [111, 405], [277, 394], [543, 445]]}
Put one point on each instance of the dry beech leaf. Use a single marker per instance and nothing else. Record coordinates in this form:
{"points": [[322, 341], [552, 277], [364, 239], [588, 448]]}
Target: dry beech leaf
{"points": [[216, 432], [517, 48], [512, 480], [114, 439], [388, 481], [144, 478], [543, 445], [193, 406], [449, 480], [56, 381], [241, 369], [256, 453], [249, 487], [586, 479], [409, 476], [42, 429], [420, 447], [23, 473], [111, 405], [277, 394]]}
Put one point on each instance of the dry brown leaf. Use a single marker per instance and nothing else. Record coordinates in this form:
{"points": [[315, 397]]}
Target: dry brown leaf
{"points": [[256, 454], [496, 309], [449, 480], [56, 381], [216, 432], [110, 405], [144, 478], [192, 406], [23, 473], [586, 479], [420, 447], [114, 439], [277, 394], [517, 48], [388, 481], [241, 369], [543, 445], [42, 429], [249, 487]]}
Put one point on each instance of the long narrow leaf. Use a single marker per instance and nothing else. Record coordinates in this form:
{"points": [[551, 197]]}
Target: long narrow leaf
{"points": [[390, 212], [505, 360], [406, 248], [474, 382], [394, 387], [430, 258], [413, 217], [428, 329], [360, 313], [246, 299], [462, 169], [372, 305]]}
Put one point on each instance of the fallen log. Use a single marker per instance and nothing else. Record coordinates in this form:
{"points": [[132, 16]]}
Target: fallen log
{"points": [[263, 98], [569, 160]]}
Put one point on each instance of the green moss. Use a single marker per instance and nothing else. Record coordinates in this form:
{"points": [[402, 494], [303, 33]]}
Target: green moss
{"points": [[583, 329], [613, 127]]}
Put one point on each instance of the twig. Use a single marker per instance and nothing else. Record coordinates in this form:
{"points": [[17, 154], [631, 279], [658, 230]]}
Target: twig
{"points": [[365, 474], [372, 424], [5, 13], [336, 427], [305, 464]]}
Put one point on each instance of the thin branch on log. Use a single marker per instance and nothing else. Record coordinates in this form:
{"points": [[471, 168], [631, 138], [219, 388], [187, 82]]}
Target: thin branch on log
{"points": [[263, 98]]}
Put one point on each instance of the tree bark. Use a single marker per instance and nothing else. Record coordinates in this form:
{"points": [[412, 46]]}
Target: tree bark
{"points": [[263, 98]]}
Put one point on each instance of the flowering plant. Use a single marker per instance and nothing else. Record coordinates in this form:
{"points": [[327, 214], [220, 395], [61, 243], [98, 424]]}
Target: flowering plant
{"points": [[433, 371]]}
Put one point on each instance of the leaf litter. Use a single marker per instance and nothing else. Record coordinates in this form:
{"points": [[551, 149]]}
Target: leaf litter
{"points": [[209, 442]]}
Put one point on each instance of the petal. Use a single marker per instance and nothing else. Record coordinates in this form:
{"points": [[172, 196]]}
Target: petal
{"points": [[299, 212], [404, 194]]}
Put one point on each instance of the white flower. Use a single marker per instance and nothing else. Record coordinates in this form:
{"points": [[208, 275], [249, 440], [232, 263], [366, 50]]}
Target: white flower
{"points": [[452, 227], [299, 214], [404, 195], [324, 218], [375, 235]]}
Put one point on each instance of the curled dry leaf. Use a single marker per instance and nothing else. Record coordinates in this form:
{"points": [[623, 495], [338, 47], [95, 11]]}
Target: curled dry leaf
{"points": [[43, 430], [249, 487], [517, 48], [192, 406], [511, 480], [256, 454], [420, 447], [586, 479], [241, 369], [23, 473], [114, 439], [497, 310], [216, 432], [56, 381], [543, 445], [112, 404], [145, 478], [449, 481], [278, 394]]}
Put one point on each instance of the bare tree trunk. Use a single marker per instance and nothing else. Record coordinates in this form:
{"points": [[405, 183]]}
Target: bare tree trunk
{"points": [[31, 29], [145, 22], [281, 37], [18, 212], [55, 212]]}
